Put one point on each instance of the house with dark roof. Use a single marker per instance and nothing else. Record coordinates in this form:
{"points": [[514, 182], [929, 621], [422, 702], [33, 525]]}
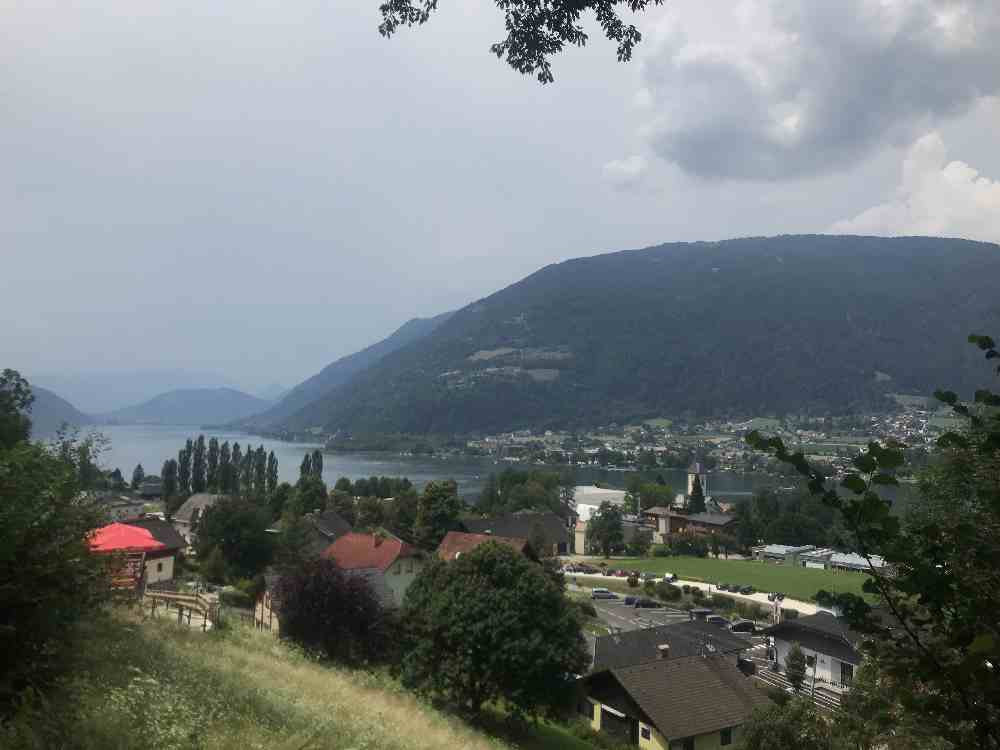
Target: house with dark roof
{"points": [[527, 525], [685, 703], [456, 543], [676, 641], [324, 529], [186, 518], [667, 521], [830, 646], [389, 564]]}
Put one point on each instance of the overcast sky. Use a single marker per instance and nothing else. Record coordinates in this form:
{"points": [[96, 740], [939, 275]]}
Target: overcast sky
{"points": [[254, 188]]}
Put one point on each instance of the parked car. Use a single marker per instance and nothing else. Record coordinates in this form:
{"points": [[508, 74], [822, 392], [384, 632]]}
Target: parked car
{"points": [[744, 626], [669, 577], [746, 589], [630, 600], [644, 603], [717, 620], [599, 593], [723, 587], [623, 573], [650, 576]]}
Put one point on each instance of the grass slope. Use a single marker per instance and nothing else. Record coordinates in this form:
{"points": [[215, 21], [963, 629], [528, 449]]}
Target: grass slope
{"points": [[798, 583], [148, 684]]}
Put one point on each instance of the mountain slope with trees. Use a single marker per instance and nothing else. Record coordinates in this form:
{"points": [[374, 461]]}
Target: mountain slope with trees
{"points": [[49, 412], [342, 371], [191, 406], [788, 324]]}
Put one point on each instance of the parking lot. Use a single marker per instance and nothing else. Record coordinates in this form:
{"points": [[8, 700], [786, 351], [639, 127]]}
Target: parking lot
{"points": [[614, 613]]}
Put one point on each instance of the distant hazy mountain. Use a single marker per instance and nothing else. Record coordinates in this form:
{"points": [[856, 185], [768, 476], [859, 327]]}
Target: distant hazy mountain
{"points": [[272, 392], [340, 372], [791, 324], [193, 406], [49, 412], [102, 392]]}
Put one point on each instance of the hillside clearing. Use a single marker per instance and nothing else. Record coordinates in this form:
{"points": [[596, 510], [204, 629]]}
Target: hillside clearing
{"points": [[141, 684]]}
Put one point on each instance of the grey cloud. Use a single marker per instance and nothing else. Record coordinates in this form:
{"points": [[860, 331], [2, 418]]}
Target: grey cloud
{"points": [[782, 89]]}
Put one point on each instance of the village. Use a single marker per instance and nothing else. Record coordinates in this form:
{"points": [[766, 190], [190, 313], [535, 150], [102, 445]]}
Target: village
{"points": [[674, 662]]}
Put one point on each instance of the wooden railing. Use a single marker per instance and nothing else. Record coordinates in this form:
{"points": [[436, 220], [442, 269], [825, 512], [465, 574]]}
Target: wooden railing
{"points": [[209, 610]]}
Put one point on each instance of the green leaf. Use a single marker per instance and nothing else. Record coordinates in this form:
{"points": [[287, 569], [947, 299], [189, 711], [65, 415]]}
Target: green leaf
{"points": [[984, 643], [883, 478], [854, 483]]}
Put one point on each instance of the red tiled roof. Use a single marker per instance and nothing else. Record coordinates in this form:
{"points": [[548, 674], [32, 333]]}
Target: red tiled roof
{"points": [[456, 542], [354, 551]]}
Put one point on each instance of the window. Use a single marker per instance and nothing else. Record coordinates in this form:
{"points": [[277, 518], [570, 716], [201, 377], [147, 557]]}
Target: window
{"points": [[688, 744], [726, 737], [159, 567], [810, 661], [644, 731]]}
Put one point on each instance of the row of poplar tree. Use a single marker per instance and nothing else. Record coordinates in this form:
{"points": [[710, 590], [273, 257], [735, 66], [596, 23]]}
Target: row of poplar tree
{"points": [[208, 466]]}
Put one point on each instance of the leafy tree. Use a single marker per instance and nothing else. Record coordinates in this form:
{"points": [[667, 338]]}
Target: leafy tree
{"points": [[641, 542], [15, 405], [199, 466], [260, 473], [238, 529], [936, 631], [343, 503], [604, 529], [212, 469], [294, 544], [316, 466], [225, 469], [324, 608], [272, 473], [696, 502], [49, 577], [305, 468], [344, 485], [873, 717], [491, 626], [310, 495], [117, 479], [795, 666], [438, 513], [184, 469], [137, 476], [370, 513], [653, 495], [214, 567], [793, 726], [539, 542], [168, 475], [279, 500], [236, 466]]}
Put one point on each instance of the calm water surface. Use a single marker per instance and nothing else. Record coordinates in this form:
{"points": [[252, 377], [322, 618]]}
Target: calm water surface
{"points": [[151, 445]]}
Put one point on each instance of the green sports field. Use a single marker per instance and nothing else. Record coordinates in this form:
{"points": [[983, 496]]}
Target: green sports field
{"points": [[798, 583]]}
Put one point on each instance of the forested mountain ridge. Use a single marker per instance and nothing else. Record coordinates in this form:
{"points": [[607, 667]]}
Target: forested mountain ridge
{"points": [[190, 406], [786, 324], [49, 412], [342, 370]]}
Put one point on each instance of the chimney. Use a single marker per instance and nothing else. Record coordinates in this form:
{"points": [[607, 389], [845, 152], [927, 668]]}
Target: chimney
{"points": [[663, 650]]}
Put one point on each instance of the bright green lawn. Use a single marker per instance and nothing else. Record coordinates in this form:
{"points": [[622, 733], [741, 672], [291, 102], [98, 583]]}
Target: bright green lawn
{"points": [[797, 583]]}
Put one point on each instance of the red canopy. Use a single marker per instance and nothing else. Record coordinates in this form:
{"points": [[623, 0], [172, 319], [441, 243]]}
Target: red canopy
{"points": [[121, 537]]}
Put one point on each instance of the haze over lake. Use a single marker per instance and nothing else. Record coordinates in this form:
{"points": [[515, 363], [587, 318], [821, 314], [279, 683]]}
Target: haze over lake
{"points": [[151, 445]]}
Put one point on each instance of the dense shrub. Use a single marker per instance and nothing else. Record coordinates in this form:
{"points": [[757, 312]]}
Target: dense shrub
{"points": [[789, 614], [660, 550], [587, 608], [686, 588], [234, 597], [339, 614], [722, 602], [633, 581], [688, 544], [667, 591], [649, 587], [697, 594]]}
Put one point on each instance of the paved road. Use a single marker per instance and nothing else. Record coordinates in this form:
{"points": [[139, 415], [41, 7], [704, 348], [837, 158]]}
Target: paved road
{"points": [[805, 608]]}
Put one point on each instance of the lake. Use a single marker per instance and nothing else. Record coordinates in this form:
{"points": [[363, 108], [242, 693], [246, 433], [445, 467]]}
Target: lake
{"points": [[151, 445]]}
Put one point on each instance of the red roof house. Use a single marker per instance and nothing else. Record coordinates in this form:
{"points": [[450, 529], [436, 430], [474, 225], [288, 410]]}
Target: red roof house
{"points": [[456, 543], [389, 564], [153, 540]]}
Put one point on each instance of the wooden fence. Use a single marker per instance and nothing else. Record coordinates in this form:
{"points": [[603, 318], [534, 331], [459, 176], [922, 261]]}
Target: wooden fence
{"points": [[186, 605]]}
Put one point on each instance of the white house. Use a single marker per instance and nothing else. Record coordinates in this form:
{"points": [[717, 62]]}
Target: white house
{"points": [[589, 498], [830, 647]]}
